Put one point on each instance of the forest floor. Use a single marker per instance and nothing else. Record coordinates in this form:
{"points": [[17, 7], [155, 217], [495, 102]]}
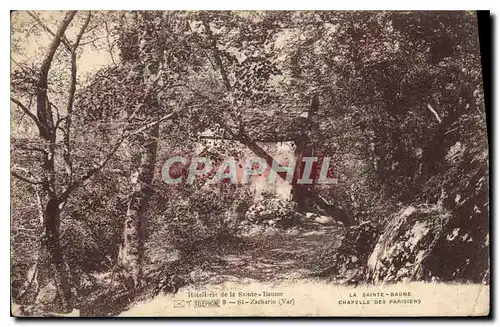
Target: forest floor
{"points": [[261, 256], [272, 256], [277, 254]]}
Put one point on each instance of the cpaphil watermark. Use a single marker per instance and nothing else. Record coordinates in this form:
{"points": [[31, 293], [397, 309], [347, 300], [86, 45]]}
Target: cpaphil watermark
{"points": [[310, 170]]}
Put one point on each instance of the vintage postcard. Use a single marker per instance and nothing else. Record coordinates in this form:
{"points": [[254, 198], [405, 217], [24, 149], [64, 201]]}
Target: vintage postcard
{"points": [[248, 163]]}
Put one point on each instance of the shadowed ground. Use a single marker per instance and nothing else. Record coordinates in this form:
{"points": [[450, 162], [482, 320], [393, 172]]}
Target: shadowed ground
{"points": [[271, 257], [276, 254]]}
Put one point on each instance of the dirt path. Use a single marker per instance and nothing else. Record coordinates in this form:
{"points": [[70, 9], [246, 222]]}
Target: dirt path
{"points": [[272, 256]]}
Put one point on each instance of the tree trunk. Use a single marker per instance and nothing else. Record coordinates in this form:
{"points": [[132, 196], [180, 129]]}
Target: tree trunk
{"points": [[52, 276], [44, 112], [134, 234], [301, 192], [53, 279]]}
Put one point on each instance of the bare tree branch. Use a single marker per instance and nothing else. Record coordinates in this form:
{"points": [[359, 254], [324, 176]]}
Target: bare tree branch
{"points": [[48, 30], [26, 111], [217, 57], [434, 112], [82, 30], [44, 114], [26, 179], [125, 135], [71, 99], [224, 75], [110, 46]]}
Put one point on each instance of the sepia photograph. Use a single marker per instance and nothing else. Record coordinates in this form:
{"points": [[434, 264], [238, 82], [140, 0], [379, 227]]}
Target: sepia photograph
{"points": [[248, 164]]}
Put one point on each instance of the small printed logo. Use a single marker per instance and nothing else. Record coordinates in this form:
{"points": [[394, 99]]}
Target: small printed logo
{"points": [[179, 303]]}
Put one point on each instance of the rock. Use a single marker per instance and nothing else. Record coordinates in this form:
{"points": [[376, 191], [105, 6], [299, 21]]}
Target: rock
{"points": [[407, 241], [270, 231], [311, 215], [293, 231], [325, 220], [273, 209], [314, 218]]}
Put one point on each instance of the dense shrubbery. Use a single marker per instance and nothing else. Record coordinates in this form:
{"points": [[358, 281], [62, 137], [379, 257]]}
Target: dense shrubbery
{"points": [[209, 215]]}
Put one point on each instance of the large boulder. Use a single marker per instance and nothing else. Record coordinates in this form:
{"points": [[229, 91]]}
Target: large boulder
{"points": [[422, 243]]}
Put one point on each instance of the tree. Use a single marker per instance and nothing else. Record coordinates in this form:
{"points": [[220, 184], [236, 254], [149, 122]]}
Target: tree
{"points": [[51, 262], [53, 185], [246, 64], [146, 83]]}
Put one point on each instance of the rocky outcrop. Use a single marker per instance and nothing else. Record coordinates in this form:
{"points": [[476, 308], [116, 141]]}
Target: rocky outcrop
{"points": [[407, 240], [420, 243]]}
